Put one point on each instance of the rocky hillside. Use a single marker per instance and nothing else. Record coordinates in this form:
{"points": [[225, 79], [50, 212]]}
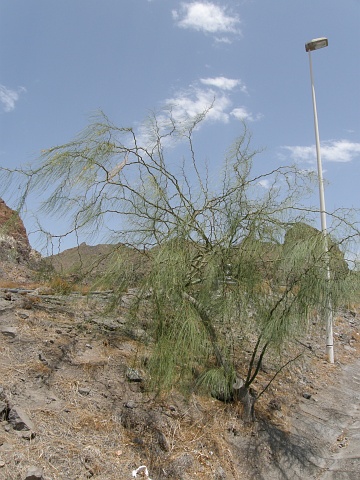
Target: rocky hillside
{"points": [[14, 243], [17, 258], [75, 403]]}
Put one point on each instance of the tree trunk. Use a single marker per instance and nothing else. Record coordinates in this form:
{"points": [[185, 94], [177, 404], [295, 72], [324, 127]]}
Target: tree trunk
{"points": [[247, 399]]}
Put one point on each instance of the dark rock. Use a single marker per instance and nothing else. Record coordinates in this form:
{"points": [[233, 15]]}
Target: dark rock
{"points": [[180, 465], [28, 435], [138, 441], [133, 375], [8, 331], [2, 393], [275, 404], [19, 419], [27, 304], [220, 474], [34, 473], [306, 395], [163, 441], [3, 409], [43, 359], [84, 390]]}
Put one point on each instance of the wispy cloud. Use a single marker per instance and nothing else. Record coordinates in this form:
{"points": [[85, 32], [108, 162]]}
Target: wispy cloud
{"points": [[224, 83], [9, 97], [242, 113], [207, 17], [331, 151]]}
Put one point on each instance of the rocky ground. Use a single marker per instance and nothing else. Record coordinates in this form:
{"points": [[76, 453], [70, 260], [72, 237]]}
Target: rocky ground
{"points": [[74, 403]]}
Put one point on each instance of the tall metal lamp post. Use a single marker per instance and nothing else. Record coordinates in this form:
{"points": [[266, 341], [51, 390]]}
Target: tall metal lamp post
{"points": [[310, 47]]}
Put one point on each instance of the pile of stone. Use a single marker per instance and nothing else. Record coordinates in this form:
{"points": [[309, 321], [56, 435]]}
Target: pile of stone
{"points": [[13, 416]]}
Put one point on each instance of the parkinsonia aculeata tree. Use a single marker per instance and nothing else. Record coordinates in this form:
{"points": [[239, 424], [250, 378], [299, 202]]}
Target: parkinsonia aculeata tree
{"points": [[232, 266]]}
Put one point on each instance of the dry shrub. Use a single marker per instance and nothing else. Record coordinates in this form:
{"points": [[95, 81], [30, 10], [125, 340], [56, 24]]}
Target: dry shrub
{"points": [[8, 284], [4, 283], [82, 289], [38, 368], [29, 302], [94, 422], [61, 286]]}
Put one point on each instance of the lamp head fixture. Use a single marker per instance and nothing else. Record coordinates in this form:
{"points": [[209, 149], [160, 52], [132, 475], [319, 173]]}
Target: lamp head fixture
{"points": [[316, 43]]}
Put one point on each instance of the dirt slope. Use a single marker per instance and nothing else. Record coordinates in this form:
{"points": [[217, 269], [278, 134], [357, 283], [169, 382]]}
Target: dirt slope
{"points": [[323, 441], [74, 403]]}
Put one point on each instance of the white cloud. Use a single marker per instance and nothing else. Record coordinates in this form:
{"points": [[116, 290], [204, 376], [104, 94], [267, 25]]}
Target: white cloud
{"points": [[332, 151], [206, 17], [302, 153], [265, 183], [340, 151], [8, 97], [241, 113], [188, 104], [224, 83], [223, 40]]}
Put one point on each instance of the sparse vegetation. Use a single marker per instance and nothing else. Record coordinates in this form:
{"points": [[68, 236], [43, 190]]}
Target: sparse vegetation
{"points": [[60, 286]]}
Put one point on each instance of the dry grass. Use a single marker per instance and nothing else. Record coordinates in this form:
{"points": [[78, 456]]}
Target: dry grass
{"points": [[15, 284], [73, 448]]}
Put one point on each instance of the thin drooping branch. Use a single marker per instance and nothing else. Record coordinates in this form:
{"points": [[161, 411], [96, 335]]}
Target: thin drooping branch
{"points": [[277, 373], [210, 330]]}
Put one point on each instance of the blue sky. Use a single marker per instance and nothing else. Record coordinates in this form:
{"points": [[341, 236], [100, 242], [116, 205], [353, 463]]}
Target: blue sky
{"points": [[60, 61]]}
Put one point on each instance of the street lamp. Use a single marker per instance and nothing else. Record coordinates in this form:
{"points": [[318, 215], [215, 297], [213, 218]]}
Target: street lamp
{"points": [[310, 47]]}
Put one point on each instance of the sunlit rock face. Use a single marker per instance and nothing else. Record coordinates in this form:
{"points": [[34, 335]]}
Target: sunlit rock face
{"points": [[14, 242]]}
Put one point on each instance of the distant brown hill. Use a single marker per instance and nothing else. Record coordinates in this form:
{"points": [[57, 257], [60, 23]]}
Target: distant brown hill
{"points": [[87, 263]]}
